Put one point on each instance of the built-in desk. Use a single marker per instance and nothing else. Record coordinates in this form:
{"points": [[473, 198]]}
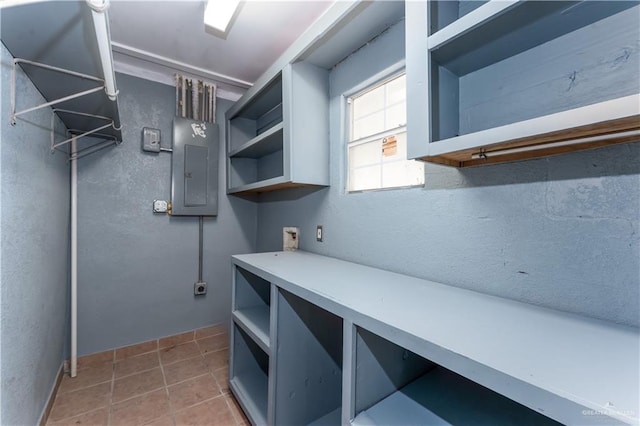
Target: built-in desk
{"points": [[351, 344]]}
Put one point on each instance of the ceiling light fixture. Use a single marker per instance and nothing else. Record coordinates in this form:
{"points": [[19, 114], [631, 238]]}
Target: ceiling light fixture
{"points": [[218, 15]]}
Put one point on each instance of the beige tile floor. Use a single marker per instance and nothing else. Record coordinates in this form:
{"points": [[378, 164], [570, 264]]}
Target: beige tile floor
{"points": [[179, 380]]}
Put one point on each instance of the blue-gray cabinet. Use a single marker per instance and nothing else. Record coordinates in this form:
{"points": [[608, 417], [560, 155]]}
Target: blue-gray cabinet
{"points": [[342, 343], [278, 132], [494, 81]]}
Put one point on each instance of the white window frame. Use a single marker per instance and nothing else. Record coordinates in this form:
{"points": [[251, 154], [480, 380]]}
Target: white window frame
{"points": [[376, 81]]}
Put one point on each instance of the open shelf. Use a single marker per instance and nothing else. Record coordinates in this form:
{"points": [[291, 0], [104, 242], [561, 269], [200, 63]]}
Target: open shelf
{"points": [[309, 363], [255, 322], [396, 386], [562, 77], [513, 80], [442, 397], [259, 115], [263, 126], [501, 29], [264, 144], [391, 339], [251, 306], [249, 376], [248, 173]]}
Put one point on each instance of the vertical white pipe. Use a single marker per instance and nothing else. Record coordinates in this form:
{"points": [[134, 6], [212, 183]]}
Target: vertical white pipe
{"points": [[74, 256]]}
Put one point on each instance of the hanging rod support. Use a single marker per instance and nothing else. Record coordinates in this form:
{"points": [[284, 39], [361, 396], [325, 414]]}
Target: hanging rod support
{"points": [[95, 148], [17, 61], [55, 145]]}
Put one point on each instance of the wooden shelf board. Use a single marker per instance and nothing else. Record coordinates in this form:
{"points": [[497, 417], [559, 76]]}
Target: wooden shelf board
{"points": [[604, 118], [263, 144], [464, 158], [255, 322], [269, 185]]}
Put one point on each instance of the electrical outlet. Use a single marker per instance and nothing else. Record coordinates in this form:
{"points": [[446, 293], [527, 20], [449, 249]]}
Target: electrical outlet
{"points": [[160, 206], [319, 233], [200, 288]]}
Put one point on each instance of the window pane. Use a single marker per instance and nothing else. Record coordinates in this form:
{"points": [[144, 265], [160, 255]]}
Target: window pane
{"points": [[396, 116], [381, 162], [396, 90], [365, 154], [368, 103], [368, 125]]}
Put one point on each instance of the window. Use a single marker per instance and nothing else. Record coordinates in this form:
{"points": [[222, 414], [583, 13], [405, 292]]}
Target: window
{"points": [[377, 146]]}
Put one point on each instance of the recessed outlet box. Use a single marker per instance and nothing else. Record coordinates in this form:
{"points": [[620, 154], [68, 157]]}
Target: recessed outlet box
{"points": [[319, 233], [290, 237], [200, 288], [150, 139]]}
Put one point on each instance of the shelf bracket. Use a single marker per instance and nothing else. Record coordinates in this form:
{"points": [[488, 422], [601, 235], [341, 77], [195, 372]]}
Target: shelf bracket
{"points": [[14, 114], [77, 134]]}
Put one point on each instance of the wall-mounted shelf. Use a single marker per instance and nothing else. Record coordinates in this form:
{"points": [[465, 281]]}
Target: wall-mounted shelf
{"points": [[278, 132], [59, 47], [264, 144], [292, 109], [512, 80]]}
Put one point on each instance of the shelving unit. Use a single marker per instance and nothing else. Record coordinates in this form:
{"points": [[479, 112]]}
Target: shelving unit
{"points": [[291, 108], [248, 377], [503, 75], [251, 306], [396, 386], [251, 343], [431, 353], [278, 131], [309, 363]]}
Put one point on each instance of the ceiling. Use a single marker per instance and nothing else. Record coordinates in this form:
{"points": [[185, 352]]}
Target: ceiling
{"points": [[156, 39]]}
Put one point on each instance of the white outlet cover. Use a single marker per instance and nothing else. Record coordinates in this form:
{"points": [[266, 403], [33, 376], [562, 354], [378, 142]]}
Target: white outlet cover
{"points": [[290, 237], [160, 206]]}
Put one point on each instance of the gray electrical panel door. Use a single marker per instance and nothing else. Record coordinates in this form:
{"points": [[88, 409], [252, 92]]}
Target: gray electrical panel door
{"points": [[194, 168]]}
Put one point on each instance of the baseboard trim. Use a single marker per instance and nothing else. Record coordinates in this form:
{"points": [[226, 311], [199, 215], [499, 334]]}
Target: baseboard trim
{"points": [[52, 396]]}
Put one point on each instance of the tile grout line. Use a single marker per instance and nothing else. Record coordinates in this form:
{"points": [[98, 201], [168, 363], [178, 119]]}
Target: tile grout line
{"points": [[113, 385], [166, 387]]}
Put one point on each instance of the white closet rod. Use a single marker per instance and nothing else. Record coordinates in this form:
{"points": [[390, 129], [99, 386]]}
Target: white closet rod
{"points": [[101, 25]]}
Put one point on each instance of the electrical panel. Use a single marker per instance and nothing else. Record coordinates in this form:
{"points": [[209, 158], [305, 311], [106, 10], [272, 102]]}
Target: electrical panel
{"points": [[194, 168]]}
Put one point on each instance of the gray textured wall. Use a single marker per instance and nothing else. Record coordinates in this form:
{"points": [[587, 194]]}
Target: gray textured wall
{"points": [[137, 269], [560, 232], [34, 249]]}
